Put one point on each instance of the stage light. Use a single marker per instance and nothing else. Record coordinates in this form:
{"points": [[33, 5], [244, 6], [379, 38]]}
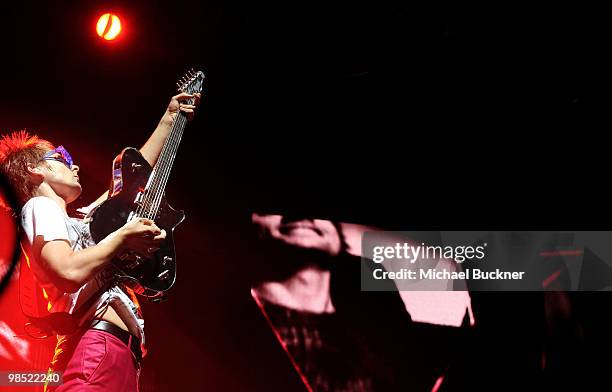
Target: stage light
{"points": [[108, 26]]}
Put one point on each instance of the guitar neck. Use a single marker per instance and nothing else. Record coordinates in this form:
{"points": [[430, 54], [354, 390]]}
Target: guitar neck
{"points": [[161, 171], [156, 186]]}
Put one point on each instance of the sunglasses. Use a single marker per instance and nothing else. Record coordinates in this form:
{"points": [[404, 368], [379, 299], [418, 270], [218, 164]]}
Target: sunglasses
{"points": [[60, 154]]}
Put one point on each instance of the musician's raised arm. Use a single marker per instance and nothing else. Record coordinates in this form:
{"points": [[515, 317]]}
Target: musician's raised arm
{"points": [[183, 102]]}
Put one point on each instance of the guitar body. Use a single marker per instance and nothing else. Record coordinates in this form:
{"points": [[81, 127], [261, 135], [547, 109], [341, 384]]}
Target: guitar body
{"points": [[131, 172]]}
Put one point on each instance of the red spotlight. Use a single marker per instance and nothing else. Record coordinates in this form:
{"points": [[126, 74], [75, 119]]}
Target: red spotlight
{"points": [[108, 26]]}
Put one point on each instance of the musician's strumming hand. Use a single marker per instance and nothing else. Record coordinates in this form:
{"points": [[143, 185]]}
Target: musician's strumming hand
{"points": [[70, 269], [142, 236], [183, 102]]}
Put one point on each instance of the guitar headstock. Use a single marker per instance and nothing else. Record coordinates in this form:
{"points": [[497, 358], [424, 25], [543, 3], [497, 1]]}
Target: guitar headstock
{"points": [[192, 82]]}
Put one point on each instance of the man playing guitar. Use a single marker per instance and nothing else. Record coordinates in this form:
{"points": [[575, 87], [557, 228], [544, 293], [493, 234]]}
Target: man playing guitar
{"points": [[65, 277]]}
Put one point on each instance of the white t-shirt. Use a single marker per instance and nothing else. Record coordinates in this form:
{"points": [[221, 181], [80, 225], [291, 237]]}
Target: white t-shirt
{"points": [[41, 216]]}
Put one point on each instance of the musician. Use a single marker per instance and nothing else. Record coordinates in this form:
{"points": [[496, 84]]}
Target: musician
{"points": [[100, 347]]}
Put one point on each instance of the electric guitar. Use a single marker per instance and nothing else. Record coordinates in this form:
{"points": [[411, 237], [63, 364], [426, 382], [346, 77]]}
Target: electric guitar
{"points": [[138, 191]]}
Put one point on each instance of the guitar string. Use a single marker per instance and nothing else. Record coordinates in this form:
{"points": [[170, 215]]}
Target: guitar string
{"points": [[163, 180], [145, 209], [155, 191], [181, 121], [148, 199], [154, 195], [166, 176]]}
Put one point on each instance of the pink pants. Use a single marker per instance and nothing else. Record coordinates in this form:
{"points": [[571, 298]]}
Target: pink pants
{"points": [[100, 362]]}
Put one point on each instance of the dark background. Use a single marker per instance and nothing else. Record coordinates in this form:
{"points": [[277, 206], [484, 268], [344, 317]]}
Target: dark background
{"points": [[438, 114], [443, 116]]}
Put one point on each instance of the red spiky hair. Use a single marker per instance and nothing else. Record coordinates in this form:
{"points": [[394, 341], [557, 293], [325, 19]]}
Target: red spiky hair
{"points": [[18, 150]]}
